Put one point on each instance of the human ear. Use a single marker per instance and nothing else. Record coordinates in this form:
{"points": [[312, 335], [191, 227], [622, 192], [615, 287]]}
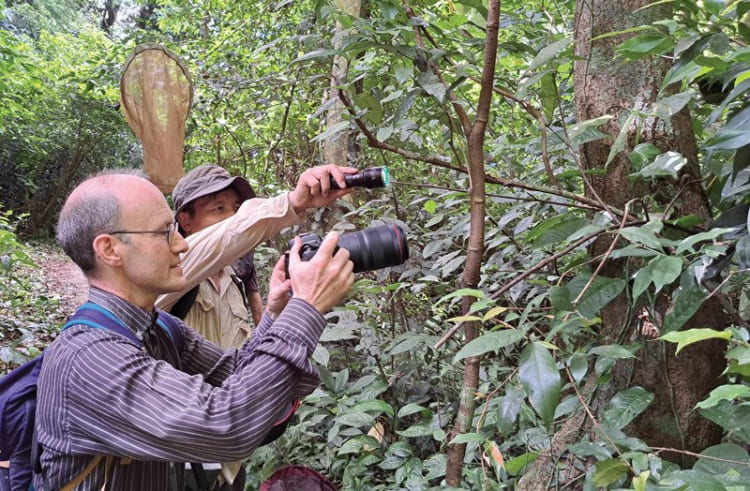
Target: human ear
{"points": [[185, 221], [106, 249]]}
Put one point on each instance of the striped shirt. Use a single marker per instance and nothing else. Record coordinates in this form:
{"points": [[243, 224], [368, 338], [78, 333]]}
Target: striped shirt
{"points": [[98, 394]]}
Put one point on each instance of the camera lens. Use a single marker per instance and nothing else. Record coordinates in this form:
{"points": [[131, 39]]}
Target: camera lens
{"points": [[376, 247]]}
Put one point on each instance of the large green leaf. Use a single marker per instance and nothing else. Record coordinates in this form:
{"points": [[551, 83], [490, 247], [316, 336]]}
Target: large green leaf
{"points": [[687, 301], [626, 405], [609, 471], [725, 393], [690, 336], [652, 43], [645, 235], [555, 230], [661, 270], [541, 379], [723, 463], [601, 291], [492, 341], [667, 164]]}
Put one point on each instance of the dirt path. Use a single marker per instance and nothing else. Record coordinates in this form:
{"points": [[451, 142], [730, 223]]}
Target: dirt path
{"points": [[65, 280]]}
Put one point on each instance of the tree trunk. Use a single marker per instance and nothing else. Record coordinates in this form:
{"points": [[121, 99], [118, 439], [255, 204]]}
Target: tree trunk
{"points": [[470, 278], [336, 147], [606, 84], [604, 87]]}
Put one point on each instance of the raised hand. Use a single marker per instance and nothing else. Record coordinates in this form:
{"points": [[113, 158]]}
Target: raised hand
{"points": [[314, 187]]}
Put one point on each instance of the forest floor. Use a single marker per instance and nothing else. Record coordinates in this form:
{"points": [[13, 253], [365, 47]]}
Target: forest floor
{"points": [[36, 300]]}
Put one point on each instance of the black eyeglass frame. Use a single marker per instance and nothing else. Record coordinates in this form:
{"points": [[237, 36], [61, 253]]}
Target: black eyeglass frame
{"points": [[169, 232]]}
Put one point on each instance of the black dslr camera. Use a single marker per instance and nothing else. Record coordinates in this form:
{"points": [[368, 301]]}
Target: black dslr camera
{"points": [[369, 249]]}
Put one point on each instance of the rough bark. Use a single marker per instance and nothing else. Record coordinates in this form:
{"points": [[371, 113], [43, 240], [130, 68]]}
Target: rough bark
{"points": [[607, 87], [606, 84], [336, 148]]}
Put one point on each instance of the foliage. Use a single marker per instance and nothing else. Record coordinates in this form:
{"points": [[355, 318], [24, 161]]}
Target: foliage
{"points": [[27, 315]]}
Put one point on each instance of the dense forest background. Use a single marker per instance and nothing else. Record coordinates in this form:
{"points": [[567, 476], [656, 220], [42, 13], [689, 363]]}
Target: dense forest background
{"points": [[573, 178]]}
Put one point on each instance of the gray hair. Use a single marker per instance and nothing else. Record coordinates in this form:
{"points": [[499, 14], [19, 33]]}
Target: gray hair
{"points": [[84, 217]]}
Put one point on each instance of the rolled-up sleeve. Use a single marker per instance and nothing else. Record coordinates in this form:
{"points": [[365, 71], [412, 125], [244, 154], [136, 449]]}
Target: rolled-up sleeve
{"points": [[217, 246]]}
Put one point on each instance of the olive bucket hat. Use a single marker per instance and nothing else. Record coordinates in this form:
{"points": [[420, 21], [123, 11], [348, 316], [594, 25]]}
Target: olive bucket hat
{"points": [[205, 180]]}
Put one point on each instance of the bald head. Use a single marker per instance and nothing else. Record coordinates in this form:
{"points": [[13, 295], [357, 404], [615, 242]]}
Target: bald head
{"points": [[95, 207]]}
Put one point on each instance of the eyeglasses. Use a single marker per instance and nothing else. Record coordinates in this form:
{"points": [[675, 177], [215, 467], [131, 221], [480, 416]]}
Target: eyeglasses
{"points": [[168, 233]]}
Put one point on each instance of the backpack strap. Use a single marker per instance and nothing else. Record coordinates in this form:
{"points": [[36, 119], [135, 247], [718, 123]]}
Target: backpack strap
{"points": [[96, 316], [183, 305], [169, 324]]}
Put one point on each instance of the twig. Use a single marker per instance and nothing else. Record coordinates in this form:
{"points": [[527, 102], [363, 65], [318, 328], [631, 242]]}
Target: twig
{"points": [[701, 456], [606, 256], [489, 396], [523, 276], [593, 418]]}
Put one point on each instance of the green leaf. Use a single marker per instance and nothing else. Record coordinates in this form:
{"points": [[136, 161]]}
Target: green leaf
{"points": [[316, 54], [645, 235], [728, 392], [468, 438], [667, 164], [549, 53], [492, 341], [410, 409], [555, 230], [724, 463], [645, 45], [688, 243], [469, 292], [431, 84], [548, 95], [687, 301], [665, 270], [690, 336], [377, 406], [621, 140], [643, 154], [727, 139], [613, 351], [415, 431], [586, 449], [601, 291], [609, 471], [541, 379], [626, 405], [516, 465], [338, 333]]}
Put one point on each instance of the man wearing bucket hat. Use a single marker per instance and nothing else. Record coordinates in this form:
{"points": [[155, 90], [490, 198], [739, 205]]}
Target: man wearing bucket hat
{"points": [[223, 221]]}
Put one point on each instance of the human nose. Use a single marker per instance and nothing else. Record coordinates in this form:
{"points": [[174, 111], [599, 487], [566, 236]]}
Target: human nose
{"points": [[178, 244]]}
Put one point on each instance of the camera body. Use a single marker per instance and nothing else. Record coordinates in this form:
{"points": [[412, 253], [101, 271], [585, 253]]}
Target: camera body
{"points": [[369, 249]]}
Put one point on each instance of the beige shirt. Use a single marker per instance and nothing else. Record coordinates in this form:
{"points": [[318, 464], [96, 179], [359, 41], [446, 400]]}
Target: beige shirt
{"points": [[219, 313]]}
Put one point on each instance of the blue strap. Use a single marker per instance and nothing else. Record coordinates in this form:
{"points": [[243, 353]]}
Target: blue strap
{"points": [[96, 316]]}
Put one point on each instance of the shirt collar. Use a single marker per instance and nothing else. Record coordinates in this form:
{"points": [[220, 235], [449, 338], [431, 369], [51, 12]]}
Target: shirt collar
{"points": [[135, 318]]}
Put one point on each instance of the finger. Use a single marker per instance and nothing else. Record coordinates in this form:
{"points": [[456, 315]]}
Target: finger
{"points": [[338, 175], [294, 257], [328, 245]]}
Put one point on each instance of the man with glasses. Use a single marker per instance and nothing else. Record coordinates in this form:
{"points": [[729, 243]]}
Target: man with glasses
{"points": [[100, 395]]}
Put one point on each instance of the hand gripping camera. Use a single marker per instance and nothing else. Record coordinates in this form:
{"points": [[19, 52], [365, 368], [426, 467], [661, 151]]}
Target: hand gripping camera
{"points": [[369, 249]]}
